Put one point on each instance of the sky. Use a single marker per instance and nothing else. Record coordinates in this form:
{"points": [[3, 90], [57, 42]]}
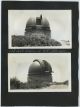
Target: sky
{"points": [[19, 63], [60, 22]]}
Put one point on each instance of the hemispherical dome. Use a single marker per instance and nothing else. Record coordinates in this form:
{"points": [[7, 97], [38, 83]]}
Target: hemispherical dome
{"points": [[34, 22], [35, 68], [40, 67], [31, 22], [45, 22]]}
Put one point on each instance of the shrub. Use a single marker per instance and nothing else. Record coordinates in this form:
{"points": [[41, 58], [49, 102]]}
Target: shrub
{"points": [[14, 83], [33, 41]]}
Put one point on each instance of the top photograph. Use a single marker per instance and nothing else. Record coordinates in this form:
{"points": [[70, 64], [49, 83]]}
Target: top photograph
{"points": [[39, 29]]}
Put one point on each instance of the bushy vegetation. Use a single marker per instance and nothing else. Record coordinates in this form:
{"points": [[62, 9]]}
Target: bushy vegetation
{"points": [[16, 84], [33, 41], [18, 41]]}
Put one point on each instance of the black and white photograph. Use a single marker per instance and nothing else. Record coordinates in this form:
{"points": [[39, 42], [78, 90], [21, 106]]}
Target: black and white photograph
{"points": [[39, 29], [39, 72], [39, 53]]}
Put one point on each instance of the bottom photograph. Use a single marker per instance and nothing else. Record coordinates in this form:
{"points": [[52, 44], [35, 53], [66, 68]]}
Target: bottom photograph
{"points": [[39, 72]]}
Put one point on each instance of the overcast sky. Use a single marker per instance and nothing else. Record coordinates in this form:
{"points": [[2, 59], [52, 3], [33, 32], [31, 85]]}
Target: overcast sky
{"points": [[60, 22], [18, 65]]}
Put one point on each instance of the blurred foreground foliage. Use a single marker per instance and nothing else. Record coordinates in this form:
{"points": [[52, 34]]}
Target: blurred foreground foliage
{"points": [[16, 84], [33, 41]]}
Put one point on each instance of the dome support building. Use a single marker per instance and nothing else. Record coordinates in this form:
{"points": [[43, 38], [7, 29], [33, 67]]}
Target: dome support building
{"points": [[40, 74], [37, 33], [38, 28]]}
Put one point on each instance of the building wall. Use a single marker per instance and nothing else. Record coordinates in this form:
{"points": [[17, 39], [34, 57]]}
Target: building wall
{"points": [[38, 34], [38, 81]]}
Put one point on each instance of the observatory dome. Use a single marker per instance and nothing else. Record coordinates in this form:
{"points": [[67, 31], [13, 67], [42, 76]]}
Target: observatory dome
{"points": [[38, 21], [40, 67]]}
